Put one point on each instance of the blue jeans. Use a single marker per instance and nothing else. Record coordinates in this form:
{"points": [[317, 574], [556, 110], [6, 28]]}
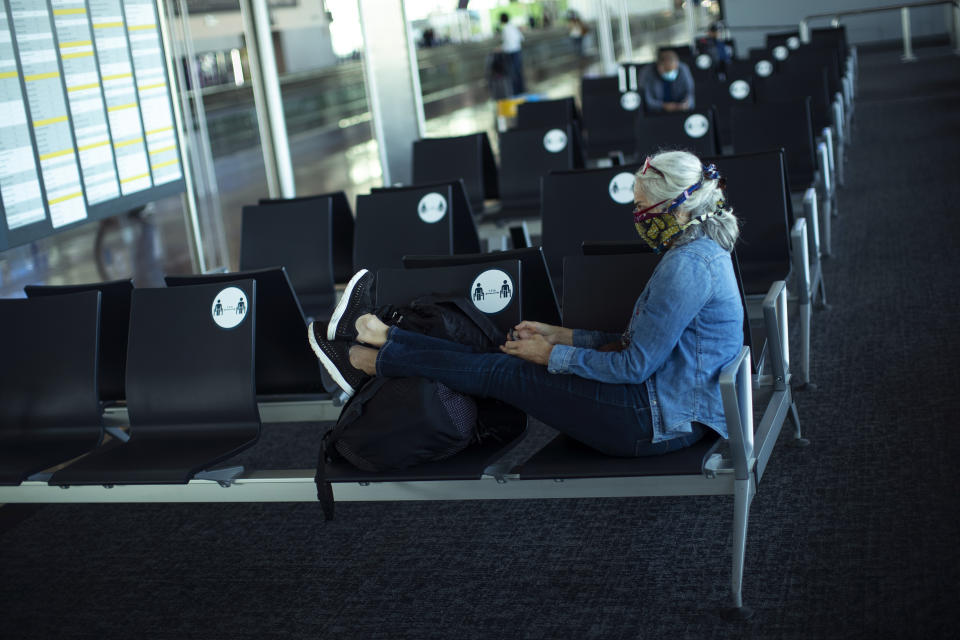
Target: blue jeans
{"points": [[611, 418], [516, 73]]}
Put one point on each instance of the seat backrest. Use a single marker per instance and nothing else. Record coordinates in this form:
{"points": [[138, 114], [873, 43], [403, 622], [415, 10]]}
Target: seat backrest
{"points": [[611, 105], [694, 131], [766, 126], [835, 37], [789, 39], [341, 229], [526, 155], [723, 94], [463, 157], [283, 365], [494, 288], [114, 327], [755, 188], [789, 87], [547, 114], [191, 357], [539, 297], [590, 301], [579, 206], [296, 234], [809, 58], [48, 379], [422, 219]]}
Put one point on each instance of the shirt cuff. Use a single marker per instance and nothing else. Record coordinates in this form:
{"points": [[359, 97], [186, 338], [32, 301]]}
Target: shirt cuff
{"points": [[560, 358]]}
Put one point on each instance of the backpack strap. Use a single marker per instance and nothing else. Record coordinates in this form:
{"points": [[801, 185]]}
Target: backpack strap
{"points": [[350, 412]]}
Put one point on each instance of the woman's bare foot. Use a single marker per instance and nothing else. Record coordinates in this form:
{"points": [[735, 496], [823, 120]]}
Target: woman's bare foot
{"points": [[364, 358], [371, 331]]}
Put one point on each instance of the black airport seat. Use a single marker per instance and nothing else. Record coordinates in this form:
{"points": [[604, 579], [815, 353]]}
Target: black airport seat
{"points": [[540, 114], [190, 387], [587, 280], [723, 95], [756, 189], [539, 298], [809, 58], [790, 87], [833, 37], [611, 105], [469, 158], [495, 288], [588, 205], [285, 365], [298, 235], [526, 155], [341, 229], [786, 125], [114, 326], [396, 221], [789, 39], [49, 407], [565, 458], [694, 131]]}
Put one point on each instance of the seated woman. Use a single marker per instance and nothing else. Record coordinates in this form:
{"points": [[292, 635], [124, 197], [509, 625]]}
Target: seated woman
{"points": [[650, 391]]}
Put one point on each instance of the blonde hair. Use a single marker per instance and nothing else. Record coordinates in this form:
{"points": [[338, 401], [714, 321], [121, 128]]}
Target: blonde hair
{"points": [[666, 175]]}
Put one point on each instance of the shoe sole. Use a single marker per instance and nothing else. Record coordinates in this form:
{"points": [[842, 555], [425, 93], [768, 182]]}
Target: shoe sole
{"points": [[328, 364], [344, 304]]}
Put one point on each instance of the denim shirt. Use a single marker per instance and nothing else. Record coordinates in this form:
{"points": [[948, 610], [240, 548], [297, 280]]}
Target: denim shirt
{"points": [[686, 325]]}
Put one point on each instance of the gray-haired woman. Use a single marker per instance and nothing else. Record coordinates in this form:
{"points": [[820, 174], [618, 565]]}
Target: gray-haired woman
{"points": [[651, 390]]}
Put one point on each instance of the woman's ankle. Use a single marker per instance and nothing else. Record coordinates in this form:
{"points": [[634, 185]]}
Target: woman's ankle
{"points": [[371, 330]]}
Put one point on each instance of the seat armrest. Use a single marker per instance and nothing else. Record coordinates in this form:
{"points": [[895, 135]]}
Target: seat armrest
{"points": [[778, 332], [736, 390]]}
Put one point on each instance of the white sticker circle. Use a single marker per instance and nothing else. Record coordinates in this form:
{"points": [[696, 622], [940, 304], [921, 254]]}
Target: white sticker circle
{"points": [[793, 42], [764, 68], [630, 101], [780, 53], [432, 208], [555, 141], [492, 291], [229, 307], [621, 188], [739, 89], [704, 61], [696, 125]]}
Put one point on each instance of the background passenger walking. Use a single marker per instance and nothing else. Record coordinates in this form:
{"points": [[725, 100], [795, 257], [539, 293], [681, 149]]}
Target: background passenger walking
{"points": [[512, 40]]}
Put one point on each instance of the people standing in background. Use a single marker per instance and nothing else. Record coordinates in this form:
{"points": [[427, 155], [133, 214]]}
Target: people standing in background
{"points": [[716, 48], [512, 39], [667, 85], [578, 30]]}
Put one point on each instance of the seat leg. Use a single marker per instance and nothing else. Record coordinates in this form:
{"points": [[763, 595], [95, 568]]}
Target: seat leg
{"points": [[805, 317], [742, 497], [798, 439]]}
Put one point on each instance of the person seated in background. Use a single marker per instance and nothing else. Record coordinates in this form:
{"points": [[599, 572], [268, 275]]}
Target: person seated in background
{"points": [[667, 85], [716, 48], [652, 390]]}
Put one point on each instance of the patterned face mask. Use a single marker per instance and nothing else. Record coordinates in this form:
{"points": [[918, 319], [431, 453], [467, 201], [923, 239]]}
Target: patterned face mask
{"points": [[659, 228]]}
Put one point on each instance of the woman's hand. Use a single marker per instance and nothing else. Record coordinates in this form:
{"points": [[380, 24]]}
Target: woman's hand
{"points": [[535, 349], [553, 335]]}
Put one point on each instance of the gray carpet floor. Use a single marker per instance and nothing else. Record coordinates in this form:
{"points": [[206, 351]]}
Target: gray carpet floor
{"points": [[855, 536]]}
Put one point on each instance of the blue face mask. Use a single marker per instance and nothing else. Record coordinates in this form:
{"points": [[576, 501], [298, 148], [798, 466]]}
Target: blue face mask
{"points": [[671, 75]]}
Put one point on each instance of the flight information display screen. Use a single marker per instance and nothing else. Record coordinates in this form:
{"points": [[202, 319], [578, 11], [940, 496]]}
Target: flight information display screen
{"points": [[86, 114]]}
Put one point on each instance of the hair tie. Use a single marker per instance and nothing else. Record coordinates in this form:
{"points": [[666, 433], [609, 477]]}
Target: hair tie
{"points": [[710, 172]]}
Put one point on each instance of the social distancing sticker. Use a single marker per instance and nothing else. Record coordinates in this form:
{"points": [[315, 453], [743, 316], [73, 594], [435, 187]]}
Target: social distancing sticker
{"points": [[696, 125], [492, 291], [764, 68], [630, 101], [555, 141], [704, 61], [780, 52], [621, 187], [793, 42], [229, 308], [432, 208], [739, 89]]}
